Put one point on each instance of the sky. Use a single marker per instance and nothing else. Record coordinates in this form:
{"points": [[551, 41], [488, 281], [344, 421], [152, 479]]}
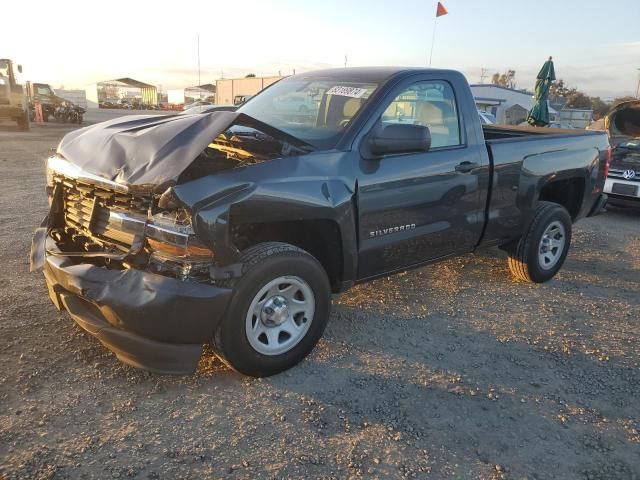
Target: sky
{"points": [[595, 44]]}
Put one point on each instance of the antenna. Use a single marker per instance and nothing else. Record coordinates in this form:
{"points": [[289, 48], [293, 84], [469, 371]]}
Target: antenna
{"points": [[198, 59], [433, 39]]}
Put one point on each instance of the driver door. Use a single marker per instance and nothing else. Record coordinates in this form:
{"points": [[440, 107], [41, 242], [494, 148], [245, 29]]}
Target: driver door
{"points": [[417, 207]]}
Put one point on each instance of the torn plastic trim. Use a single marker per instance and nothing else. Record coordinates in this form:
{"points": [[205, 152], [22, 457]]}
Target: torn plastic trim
{"points": [[39, 250], [159, 307], [149, 321], [143, 229]]}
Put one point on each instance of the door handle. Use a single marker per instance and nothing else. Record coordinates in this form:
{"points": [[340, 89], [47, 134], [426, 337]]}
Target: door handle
{"points": [[465, 167]]}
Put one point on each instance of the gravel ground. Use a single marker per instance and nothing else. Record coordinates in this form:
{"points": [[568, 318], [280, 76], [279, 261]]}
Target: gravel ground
{"points": [[449, 371]]}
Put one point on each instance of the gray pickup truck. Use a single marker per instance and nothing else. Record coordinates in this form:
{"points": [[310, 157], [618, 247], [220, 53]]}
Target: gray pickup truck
{"points": [[234, 228]]}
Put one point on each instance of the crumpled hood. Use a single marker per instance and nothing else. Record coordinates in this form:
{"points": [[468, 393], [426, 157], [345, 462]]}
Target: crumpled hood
{"points": [[150, 150]]}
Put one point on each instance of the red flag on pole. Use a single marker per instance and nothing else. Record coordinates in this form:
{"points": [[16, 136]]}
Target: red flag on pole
{"points": [[440, 10]]}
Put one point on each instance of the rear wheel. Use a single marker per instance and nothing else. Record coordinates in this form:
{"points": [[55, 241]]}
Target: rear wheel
{"points": [[277, 313], [543, 248]]}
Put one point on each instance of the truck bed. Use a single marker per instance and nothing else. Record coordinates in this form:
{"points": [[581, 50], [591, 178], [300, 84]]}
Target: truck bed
{"points": [[494, 133], [523, 158]]}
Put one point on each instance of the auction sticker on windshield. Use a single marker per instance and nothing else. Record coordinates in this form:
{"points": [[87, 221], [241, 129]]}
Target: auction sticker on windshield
{"points": [[343, 91]]}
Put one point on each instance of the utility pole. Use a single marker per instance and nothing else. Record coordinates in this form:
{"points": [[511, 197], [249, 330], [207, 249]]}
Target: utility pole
{"points": [[638, 87], [199, 60], [345, 61], [484, 74]]}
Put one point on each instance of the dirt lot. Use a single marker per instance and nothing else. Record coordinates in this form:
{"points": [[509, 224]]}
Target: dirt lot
{"points": [[450, 371]]}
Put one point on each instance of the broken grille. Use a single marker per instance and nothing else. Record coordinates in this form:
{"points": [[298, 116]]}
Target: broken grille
{"points": [[87, 209]]}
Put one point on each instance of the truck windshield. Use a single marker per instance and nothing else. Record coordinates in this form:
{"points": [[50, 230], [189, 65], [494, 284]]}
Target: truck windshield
{"points": [[315, 111], [44, 90]]}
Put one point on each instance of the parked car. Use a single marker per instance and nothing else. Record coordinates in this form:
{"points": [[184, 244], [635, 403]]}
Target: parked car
{"points": [[198, 103], [623, 181], [125, 103], [234, 228]]}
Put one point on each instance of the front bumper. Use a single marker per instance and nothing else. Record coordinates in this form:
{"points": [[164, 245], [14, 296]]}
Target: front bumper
{"points": [[631, 194], [149, 321]]}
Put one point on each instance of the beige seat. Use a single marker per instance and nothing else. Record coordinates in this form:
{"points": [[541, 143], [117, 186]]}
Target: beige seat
{"points": [[442, 122], [431, 116], [349, 109]]}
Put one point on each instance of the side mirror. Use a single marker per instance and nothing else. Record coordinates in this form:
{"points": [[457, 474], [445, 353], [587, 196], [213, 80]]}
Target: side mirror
{"points": [[397, 138], [20, 68]]}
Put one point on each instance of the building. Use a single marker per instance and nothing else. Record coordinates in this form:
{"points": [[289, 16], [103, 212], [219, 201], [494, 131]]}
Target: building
{"points": [[121, 88], [231, 91], [509, 106]]}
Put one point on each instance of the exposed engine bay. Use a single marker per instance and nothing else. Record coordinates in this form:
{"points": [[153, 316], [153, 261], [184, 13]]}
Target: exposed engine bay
{"points": [[239, 147], [100, 219]]}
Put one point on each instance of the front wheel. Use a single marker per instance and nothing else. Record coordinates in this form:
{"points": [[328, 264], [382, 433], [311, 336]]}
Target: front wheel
{"points": [[543, 248], [277, 313]]}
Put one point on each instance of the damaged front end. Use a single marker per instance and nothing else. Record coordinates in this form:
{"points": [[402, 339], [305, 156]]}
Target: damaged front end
{"points": [[120, 253], [115, 226], [133, 276]]}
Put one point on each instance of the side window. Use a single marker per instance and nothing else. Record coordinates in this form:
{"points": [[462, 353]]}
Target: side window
{"points": [[429, 103]]}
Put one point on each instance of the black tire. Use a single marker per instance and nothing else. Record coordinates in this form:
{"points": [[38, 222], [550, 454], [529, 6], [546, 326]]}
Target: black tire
{"points": [[262, 264], [524, 259]]}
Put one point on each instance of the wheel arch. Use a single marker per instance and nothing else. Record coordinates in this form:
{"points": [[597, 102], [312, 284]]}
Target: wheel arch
{"points": [[568, 192], [320, 237]]}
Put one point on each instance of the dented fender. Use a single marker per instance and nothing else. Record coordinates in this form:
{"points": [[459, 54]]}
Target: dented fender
{"points": [[286, 189]]}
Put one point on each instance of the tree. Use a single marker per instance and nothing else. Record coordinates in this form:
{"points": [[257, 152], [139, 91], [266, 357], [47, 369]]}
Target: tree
{"points": [[250, 75], [506, 79], [562, 95], [600, 107], [559, 89], [626, 98], [577, 99]]}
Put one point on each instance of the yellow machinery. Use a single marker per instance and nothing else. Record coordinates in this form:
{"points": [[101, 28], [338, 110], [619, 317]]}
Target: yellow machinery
{"points": [[13, 99]]}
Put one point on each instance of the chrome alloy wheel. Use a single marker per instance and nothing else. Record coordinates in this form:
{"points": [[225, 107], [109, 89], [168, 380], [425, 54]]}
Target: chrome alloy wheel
{"points": [[280, 315], [551, 245]]}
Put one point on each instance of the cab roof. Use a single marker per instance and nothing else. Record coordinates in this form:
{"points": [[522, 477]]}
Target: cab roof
{"points": [[377, 75]]}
